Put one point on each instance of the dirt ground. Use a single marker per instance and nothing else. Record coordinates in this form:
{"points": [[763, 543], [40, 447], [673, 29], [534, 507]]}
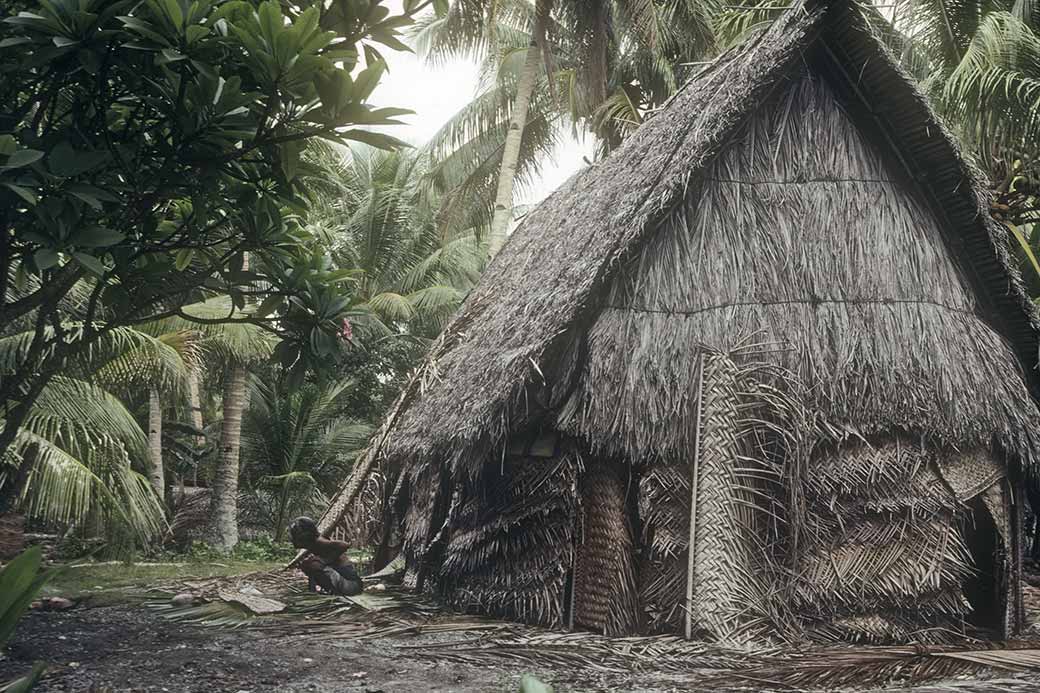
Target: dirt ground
{"points": [[130, 648]]}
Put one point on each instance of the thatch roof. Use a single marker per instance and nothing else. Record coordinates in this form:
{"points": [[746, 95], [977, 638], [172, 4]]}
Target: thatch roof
{"points": [[514, 349], [548, 281]]}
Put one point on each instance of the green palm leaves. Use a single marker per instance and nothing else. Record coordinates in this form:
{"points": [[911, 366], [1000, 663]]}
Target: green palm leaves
{"points": [[83, 443], [376, 216], [299, 444]]}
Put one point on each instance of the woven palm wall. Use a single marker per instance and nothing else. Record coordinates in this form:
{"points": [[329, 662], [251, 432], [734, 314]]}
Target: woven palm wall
{"points": [[883, 558], [606, 599], [806, 239], [721, 499]]}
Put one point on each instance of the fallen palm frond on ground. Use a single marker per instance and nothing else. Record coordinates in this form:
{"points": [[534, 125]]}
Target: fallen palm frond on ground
{"points": [[404, 621], [591, 651], [861, 666]]}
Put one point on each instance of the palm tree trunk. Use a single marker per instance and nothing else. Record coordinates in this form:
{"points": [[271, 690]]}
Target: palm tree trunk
{"points": [[195, 412], [511, 149], [223, 528], [156, 473]]}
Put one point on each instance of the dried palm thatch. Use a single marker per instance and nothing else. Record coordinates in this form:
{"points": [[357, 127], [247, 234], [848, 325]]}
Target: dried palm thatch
{"points": [[797, 193], [512, 541], [801, 235], [722, 498], [861, 666], [885, 556]]}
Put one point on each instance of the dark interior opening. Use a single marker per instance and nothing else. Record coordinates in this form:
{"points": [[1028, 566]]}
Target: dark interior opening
{"points": [[983, 589]]}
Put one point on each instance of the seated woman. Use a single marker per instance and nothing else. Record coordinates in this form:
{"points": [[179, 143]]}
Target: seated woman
{"points": [[326, 565]]}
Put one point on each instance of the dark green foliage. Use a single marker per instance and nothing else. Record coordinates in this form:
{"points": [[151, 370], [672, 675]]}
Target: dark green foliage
{"points": [[263, 548], [147, 147], [20, 581]]}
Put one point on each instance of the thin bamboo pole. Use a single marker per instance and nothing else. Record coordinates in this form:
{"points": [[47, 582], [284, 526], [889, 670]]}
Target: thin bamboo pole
{"points": [[694, 473]]}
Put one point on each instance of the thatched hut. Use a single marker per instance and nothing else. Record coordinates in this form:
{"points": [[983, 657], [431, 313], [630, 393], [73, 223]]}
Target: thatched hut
{"points": [[767, 369]]}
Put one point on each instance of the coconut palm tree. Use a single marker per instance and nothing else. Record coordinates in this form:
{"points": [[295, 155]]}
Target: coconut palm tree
{"points": [[132, 374], [233, 347], [300, 443], [370, 209], [607, 64], [470, 27], [84, 447]]}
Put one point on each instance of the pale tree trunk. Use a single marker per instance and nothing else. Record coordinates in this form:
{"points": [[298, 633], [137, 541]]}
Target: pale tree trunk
{"points": [[223, 508], [195, 413], [224, 494], [156, 474], [511, 149]]}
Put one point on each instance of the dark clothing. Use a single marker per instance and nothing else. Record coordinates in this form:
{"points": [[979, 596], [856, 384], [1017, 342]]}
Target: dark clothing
{"points": [[337, 579]]}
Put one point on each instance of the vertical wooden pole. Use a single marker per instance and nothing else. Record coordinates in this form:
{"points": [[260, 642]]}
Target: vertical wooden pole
{"points": [[694, 474]]}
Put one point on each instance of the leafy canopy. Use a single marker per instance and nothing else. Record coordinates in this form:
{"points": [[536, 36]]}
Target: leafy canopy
{"points": [[147, 148]]}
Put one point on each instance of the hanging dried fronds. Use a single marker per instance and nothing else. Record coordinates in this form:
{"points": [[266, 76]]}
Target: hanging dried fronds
{"points": [[512, 541]]}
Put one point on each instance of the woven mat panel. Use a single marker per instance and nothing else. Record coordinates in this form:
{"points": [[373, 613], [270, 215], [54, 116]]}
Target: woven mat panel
{"points": [[512, 542], [969, 472], [884, 558], [728, 590], [605, 594], [863, 473]]}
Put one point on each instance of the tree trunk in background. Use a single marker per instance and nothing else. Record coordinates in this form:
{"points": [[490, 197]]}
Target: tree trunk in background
{"points": [[511, 148], [195, 413], [156, 474], [223, 508]]}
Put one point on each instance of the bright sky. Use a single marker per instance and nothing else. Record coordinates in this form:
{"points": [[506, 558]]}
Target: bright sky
{"points": [[435, 94]]}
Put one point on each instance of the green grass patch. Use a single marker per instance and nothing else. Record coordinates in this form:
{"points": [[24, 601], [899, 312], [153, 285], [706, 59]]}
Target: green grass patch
{"points": [[117, 578]]}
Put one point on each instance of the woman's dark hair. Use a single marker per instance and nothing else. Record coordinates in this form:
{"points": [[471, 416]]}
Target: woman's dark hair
{"points": [[304, 527]]}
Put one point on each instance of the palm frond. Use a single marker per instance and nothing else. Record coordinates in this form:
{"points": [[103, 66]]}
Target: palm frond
{"points": [[77, 414], [993, 92], [239, 342], [96, 487]]}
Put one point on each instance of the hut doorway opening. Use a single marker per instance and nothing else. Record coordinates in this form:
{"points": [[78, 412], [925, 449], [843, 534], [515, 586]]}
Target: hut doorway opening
{"points": [[984, 589]]}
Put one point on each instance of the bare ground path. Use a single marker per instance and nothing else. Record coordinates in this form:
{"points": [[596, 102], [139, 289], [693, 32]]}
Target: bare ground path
{"points": [[131, 648]]}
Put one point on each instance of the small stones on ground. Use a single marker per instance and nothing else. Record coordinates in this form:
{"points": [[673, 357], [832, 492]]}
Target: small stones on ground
{"points": [[53, 604], [307, 660], [360, 674], [183, 599]]}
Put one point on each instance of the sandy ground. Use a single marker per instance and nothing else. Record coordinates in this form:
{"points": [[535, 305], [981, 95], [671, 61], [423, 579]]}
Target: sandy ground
{"points": [[130, 648]]}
